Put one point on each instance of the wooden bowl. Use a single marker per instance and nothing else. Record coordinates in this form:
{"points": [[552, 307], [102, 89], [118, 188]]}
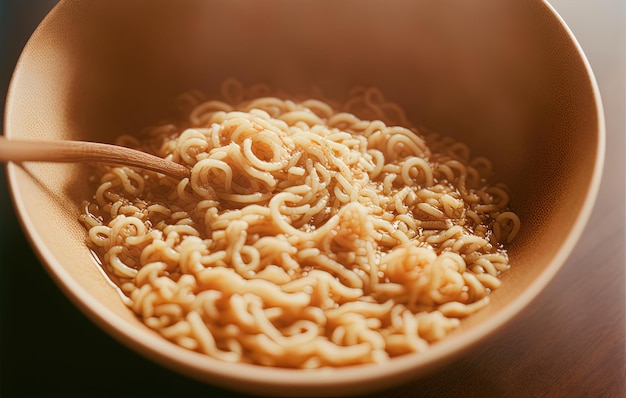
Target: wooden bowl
{"points": [[507, 78]]}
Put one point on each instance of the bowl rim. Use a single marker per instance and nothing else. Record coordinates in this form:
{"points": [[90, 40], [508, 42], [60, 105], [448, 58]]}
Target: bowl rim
{"points": [[246, 377]]}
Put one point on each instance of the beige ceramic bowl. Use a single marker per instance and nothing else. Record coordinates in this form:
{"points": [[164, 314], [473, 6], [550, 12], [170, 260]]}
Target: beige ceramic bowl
{"points": [[505, 76]]}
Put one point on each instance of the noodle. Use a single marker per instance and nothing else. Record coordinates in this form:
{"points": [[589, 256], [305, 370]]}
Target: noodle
{"points": [[307, 235]]}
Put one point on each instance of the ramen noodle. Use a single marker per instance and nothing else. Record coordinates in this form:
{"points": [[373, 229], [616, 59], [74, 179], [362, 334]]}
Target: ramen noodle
{"points": [[309, 233]]}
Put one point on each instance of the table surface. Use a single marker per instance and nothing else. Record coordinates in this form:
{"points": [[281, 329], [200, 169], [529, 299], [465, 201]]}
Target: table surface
{"points": [[569, 342]]}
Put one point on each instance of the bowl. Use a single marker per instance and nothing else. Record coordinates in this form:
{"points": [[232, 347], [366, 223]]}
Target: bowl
{"points": [[508, 78]]}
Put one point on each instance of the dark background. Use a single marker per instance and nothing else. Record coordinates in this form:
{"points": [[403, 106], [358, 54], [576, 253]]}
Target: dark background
{"points": [[48, 348]]}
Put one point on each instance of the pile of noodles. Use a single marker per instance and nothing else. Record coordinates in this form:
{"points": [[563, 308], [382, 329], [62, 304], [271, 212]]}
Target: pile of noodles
{"points": [[306, 236]]}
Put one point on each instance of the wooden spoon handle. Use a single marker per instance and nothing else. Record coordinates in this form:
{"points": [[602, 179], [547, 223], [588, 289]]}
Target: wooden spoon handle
{"points": [[81, 151]]}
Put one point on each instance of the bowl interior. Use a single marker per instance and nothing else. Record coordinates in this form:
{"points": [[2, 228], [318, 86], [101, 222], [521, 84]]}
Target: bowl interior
{"points": [[504, 77]]}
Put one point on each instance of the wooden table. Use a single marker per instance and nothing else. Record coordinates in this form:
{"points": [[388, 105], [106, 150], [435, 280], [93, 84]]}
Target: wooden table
{"points": [[569, 342]]}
